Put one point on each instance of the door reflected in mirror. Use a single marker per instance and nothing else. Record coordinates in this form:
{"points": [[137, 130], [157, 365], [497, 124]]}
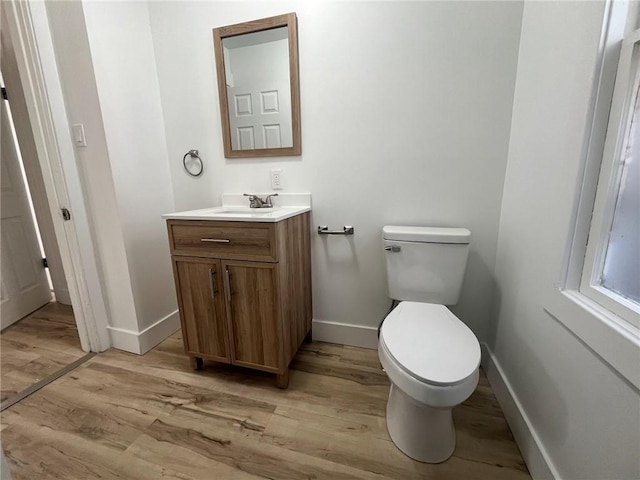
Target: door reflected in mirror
{"points": [[257, 65]]}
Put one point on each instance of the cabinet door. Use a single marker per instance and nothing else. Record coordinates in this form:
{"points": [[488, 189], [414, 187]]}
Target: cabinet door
{"points": [[200, 291], [254, 314]]}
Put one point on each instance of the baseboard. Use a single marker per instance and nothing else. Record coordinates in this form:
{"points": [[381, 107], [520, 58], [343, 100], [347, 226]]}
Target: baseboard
{"points": [[540, 465], [345, 334], [142, 342], [63, 296]]}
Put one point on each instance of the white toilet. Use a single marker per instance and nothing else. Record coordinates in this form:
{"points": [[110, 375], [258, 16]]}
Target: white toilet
{"points": [[430, 356]]}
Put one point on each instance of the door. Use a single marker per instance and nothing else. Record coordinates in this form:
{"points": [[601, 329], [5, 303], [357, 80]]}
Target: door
{"points": [[260, 116], [33, 172], [23, 286], [202, 309], [254, 314]]}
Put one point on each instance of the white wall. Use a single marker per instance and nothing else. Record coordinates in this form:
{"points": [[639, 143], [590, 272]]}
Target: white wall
{"points": [[107, 69], [406, 110], [127, 85], [73, 57], [586, 417]]}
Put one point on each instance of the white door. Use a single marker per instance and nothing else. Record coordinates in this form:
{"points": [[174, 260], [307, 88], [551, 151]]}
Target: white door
{"points": [[260, 116], [23, 281]]}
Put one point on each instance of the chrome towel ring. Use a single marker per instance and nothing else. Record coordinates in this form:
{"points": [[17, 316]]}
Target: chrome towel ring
{"points": [[194, 160]]}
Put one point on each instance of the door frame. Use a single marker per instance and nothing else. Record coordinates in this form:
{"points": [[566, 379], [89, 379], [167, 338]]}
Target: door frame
{"points": [[30, 36]]}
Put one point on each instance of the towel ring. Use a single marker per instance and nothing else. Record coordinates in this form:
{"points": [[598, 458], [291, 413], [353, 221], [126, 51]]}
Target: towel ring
{"points": [[192, 154]]}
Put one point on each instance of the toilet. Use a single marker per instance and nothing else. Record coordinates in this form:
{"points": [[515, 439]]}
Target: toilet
{"points": [[431, 358]]}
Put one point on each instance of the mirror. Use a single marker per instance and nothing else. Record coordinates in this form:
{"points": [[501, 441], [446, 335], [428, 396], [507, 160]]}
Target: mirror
{"points": [[257, 69]]}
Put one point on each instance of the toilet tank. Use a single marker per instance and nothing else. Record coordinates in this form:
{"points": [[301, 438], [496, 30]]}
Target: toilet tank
{"points": [[425, 264]]}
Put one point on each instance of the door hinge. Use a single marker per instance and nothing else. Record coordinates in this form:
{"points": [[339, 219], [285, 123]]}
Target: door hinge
{"points": [[4, 94], [44, 263], [66, 214]]}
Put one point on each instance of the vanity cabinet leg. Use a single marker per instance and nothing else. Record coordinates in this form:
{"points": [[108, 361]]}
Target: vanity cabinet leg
{"points": [[196, 363], [282, 380]]}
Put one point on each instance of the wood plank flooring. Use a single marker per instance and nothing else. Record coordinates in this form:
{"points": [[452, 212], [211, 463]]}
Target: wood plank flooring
{"points": [[36, 347], [121, 416]]}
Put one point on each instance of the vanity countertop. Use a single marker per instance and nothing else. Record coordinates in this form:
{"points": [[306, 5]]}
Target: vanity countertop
{"points": [[232, 210], [238, 214]]}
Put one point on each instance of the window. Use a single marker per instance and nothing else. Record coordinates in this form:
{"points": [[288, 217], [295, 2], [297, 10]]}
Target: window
{"points": [[611, 273], [594, 298]]}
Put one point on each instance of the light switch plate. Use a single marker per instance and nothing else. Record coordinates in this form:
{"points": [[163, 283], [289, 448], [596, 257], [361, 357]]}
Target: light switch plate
{"points": [[79, 140]]}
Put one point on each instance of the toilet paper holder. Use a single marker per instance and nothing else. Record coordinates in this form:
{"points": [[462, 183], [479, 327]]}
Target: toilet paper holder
{"points": [[346, 230]]}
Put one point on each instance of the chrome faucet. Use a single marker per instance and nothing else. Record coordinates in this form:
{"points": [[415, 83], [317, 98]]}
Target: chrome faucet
{"points": [[257, 202]]}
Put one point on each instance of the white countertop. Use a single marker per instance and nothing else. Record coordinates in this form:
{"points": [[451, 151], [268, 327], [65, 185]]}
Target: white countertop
{"points": [[235, 208]]}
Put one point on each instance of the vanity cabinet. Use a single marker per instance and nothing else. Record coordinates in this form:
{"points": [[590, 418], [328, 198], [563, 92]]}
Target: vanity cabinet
{"points": [[244, 290]]}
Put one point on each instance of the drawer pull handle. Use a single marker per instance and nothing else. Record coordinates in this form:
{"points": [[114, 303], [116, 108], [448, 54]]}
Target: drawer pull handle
{"points": [[215, 240]]}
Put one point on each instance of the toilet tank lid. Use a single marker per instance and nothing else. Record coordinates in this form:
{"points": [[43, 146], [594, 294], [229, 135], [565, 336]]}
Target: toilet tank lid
{"points": [[426, 234]]}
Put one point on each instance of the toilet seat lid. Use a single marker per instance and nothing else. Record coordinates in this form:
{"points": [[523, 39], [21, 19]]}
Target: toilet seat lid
{"points": [[431, 343]]}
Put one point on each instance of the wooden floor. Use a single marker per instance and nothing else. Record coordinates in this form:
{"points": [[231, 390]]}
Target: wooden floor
{"points": [[121, 415], [36, 347]]}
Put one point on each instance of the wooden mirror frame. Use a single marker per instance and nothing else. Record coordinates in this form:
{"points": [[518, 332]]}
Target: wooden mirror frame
{"points": [[288, 20]]}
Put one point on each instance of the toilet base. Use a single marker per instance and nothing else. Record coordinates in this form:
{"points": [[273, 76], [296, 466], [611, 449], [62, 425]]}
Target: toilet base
{"points": [[421, 432]]}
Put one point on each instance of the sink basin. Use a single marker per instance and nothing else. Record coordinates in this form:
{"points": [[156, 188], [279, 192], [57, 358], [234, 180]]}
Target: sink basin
{"points": [[244, 211]]}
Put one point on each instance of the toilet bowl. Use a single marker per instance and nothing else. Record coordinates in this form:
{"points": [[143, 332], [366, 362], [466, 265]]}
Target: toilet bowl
{"points": [[432, 360]]}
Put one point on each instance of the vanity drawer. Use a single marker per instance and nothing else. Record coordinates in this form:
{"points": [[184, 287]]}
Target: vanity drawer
{"points": [[232, 240]]}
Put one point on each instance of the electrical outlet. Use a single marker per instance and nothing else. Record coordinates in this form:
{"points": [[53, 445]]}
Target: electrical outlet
{"points": [[276, 178]]}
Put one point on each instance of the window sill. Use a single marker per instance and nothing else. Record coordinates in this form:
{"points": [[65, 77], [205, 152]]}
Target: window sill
{"points": [[615, 341]]}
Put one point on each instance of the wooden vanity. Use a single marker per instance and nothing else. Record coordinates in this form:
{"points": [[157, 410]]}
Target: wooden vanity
{"points": [[244, 290]]}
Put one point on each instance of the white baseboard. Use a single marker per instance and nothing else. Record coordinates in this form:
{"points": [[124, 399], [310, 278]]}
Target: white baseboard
{"points": [[323, 331], [142, 342], [540, 465], [63, 296], [345, 334]]}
